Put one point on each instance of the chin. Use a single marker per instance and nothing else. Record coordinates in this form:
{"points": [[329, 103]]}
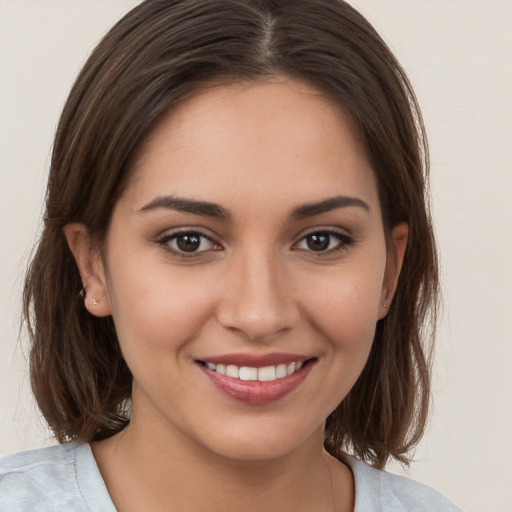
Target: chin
{"points": [[263, 442]]}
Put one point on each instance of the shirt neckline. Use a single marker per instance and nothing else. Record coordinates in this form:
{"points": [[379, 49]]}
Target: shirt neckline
{"points": [[96, 497]]}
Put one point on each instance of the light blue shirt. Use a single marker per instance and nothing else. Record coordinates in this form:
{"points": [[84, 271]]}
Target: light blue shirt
{"points": [[65, 478]]}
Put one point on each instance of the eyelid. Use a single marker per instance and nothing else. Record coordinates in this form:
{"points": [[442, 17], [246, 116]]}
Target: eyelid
{"points": [[330, 230], [170, 234], [345, 240], [324, 229]]}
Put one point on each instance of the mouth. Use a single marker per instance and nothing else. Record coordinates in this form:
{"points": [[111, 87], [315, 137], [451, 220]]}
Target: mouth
{"points": [[249, 373], [253, 380]]}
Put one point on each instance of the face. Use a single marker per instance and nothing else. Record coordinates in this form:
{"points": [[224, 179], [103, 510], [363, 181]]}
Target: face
{"points": [[245, 268]]}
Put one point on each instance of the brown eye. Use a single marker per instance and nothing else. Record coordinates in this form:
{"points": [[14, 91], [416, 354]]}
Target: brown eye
{"points": [[318, 242], [187, 243], [324, 242]]}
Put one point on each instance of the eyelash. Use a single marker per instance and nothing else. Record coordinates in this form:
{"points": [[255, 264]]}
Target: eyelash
{"points": [[344, 242], [168, 237]]}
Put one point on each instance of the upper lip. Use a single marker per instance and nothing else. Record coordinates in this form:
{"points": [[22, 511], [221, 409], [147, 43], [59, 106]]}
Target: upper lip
{"points": [[256, 360]]}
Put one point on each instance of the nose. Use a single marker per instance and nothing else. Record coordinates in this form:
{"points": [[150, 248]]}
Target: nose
{"points": [[258, 299]]}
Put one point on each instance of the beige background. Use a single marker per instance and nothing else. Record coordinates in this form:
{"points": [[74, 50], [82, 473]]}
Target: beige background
{"points": [[457, 55]]}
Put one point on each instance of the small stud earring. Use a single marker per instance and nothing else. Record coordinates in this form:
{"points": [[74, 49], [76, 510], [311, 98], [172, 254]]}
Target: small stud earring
{"points": [[385, 305], [94, 301]]}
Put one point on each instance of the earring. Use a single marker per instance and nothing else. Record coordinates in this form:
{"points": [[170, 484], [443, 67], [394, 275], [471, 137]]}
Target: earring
{"points": [[94, 301], [385, 305]]}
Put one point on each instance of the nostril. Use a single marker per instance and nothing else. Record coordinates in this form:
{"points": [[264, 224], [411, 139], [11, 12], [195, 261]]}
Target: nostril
{"points": [[257, 326], [256, 306]]}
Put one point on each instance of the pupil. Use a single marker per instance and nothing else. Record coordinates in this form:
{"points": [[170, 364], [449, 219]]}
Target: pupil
{"points": [[318, 242], [188, 243]]}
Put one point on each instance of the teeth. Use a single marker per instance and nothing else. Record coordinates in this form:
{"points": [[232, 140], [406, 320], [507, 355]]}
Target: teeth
{"points": [[281, 371], [248, 373], [265, 374], [233, 371]]}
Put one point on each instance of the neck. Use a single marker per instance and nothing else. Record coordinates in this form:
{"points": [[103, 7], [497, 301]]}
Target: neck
{"points": [[148, 468]]}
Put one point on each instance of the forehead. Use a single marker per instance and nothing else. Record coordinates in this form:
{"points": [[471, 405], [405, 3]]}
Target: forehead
{"points": [[279, 139]]}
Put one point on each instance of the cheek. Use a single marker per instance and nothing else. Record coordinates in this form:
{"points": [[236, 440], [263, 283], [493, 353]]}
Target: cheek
{"points": [[344, 307], [345, 314], [160, 310]]}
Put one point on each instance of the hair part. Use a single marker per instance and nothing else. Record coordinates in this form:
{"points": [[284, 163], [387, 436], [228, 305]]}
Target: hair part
{"points": [[157, 55]]}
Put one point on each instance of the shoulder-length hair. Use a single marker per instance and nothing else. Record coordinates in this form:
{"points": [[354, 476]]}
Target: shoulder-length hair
{"points": [[160, 52]]}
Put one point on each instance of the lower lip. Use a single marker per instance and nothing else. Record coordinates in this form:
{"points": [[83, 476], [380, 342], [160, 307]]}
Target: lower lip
{"points": [[254, 391]]}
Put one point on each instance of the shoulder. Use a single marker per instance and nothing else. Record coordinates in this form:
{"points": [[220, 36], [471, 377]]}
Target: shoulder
{"points": [[42, 479], [387, 492]]}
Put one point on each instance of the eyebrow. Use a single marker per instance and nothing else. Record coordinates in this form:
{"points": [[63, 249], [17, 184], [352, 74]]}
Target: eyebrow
{"points": [[214, 210], [181, 204], [326, 205]]}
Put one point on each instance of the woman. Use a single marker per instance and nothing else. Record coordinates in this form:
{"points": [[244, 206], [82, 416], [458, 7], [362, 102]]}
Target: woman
{"points": [[236, 266]]}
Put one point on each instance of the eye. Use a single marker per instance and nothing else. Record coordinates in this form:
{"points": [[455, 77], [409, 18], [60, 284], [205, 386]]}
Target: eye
{"points": [[324, 241], [187, 243]]}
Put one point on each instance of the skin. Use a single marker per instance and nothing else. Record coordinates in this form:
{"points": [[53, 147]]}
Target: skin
{"points": [[259, 151]]}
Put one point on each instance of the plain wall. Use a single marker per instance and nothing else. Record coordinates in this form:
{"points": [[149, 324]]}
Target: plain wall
{"points": [[456, 53]]}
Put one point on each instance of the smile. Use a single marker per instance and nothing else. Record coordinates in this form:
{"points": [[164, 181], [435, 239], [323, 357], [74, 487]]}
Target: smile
{"points": [[264, 374], [257, 380]]}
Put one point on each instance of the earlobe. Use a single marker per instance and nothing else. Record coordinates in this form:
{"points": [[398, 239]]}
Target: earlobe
{"points": [[91, 268], [399, 237]]}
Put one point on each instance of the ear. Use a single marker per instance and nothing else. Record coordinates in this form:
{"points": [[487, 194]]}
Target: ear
{"points": [[396, 252], [91, 268]]}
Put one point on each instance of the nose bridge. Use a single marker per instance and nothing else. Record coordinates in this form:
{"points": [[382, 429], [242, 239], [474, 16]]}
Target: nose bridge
{"points": [[259, 300]]}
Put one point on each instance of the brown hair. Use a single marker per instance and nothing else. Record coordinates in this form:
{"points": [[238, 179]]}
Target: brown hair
{"points": [[160, 52]]}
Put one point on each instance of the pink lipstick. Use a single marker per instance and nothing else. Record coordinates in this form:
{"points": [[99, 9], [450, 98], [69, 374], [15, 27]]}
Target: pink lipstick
{"points": [[256, 379]]}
